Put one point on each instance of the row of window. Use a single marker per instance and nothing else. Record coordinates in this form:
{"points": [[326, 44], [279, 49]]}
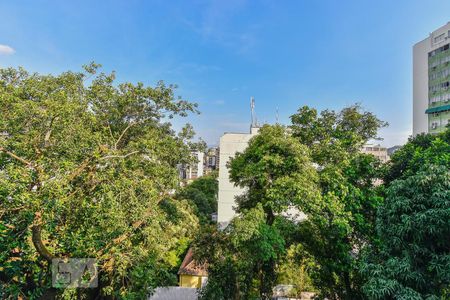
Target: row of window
{"points": [[438, 50], [440, 37], [441, 74], [439, 98], [439, 87], [439, 62], [436, 124]]}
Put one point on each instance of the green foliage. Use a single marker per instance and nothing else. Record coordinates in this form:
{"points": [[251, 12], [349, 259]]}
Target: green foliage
{"points": [[345, 222], [238, 257], [314, 167], [202, 194], [413, 259], [424, 149], [278, 173], [296, 269], [333, 136], [86, 171]]}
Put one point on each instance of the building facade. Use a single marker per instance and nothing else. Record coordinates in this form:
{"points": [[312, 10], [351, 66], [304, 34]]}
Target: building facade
{"points": [[376, 150], [194, 170], [230, 143], [191, 274], [431, 82], [212, 160]]}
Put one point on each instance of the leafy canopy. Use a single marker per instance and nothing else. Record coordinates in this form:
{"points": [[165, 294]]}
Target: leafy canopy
{"points": [[84, 172]]}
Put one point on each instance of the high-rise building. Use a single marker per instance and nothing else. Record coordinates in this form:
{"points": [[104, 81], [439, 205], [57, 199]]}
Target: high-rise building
{"points": [[431, 82]]}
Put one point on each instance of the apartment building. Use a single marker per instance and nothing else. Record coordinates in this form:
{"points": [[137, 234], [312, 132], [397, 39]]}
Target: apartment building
{"points": [[230, 143], [431, 82], [194, 170], [376, 150]]}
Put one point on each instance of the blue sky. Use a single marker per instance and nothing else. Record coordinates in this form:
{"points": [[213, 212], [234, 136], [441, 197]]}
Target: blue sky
{"points": [[326, 54]]}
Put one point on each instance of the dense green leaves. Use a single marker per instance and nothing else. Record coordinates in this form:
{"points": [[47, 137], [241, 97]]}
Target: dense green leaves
{"points": [[334, 234], [202, 194], [240, 257], [314, 167], [87, 171], [413, 259]]}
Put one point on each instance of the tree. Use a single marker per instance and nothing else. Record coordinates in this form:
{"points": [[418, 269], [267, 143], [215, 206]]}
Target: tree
{"points": [[295, 269], [202, 194], [334, 235], [87, 171], [277, 173], [237, 255], [412, 260]]}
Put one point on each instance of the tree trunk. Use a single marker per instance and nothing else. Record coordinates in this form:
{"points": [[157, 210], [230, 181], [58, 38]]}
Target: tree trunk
{"points": [[37, 239], [348, 286]]}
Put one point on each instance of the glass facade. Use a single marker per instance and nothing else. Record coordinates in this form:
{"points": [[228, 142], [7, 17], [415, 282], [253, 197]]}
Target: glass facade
{"points": [[438, 89]]}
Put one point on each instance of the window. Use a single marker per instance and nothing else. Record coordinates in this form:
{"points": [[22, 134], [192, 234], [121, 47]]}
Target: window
{"points": [[439, 38]]}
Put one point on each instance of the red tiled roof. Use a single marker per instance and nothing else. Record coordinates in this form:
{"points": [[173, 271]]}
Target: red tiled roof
{"points": [[190, 267]]}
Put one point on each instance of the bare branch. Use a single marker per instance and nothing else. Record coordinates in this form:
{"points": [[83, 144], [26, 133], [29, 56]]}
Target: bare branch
{"points": [[49, 132], [22, 160], [110, 131], [118, 156], [123, 133]]}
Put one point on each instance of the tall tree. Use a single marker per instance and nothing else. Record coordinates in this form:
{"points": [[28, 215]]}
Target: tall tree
{"points": [[278, 175], [86, 165], [412, 260], [202, 195], [335, 234]]}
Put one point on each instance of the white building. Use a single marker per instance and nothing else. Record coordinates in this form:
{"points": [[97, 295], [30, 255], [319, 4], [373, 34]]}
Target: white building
{"points": [[431, 82], [193, 170], [230, 143], [376, 150]]}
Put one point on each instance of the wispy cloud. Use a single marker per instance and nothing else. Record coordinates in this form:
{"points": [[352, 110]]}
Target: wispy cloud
{"points": [[6, 50], [219, 102], [216, 24], [190, 67], [240, 88]]}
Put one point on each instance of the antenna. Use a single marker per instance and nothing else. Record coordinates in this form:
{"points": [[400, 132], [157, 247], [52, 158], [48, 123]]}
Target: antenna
{"points": [[252, 108]]}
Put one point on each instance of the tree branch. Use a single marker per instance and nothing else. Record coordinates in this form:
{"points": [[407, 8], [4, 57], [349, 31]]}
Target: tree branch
{"points": [[123, 133], [118, 156], [37, 238], [22, 160]]}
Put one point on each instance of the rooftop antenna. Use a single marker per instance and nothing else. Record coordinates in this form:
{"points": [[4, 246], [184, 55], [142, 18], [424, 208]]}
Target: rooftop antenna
{"points": [[252, 107]]}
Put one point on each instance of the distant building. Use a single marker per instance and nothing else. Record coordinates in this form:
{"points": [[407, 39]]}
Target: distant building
{"points": [[194, 170], [377, 151], [192, 274], [230, 143], [392, 150], [212, 160], [431, 82]]}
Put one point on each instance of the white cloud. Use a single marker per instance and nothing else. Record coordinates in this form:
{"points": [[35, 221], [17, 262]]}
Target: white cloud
{"points": [[6, 50]]}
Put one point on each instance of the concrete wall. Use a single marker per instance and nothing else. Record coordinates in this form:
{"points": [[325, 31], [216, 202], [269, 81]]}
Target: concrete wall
{"points": [[230, 143], [420, 86]]}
